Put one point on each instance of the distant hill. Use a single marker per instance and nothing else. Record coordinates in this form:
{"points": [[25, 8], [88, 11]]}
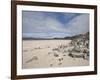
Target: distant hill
{"points": [[86, 35], [37, 38]]}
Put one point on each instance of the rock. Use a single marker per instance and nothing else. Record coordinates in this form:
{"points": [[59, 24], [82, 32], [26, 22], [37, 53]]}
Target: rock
{"points": [[51, 65], [56, 55], [80, 45], [64, 55], [59, 63], [49, 52], [60, 59], [76, 55]]}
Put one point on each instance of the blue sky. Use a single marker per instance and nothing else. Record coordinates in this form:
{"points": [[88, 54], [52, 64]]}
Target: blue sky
{"points": [[38, 24]]}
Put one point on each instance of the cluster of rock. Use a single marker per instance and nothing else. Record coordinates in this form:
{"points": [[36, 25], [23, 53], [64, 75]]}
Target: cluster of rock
{"points": [[77, 48], [80, 46]]}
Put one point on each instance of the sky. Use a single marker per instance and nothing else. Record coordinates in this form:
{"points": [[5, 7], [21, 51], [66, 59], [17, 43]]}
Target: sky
{"points": [[39, 24]]}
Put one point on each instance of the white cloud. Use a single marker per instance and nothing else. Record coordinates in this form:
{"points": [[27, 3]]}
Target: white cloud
{"points": [[39, 22], [79, 24], [35, 22], [54, 25]]}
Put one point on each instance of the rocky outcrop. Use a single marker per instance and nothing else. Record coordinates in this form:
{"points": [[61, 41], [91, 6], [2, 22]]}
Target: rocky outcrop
{"points": [[80, 46]]}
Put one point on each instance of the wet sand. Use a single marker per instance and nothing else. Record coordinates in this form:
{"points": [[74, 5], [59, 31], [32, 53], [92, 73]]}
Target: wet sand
{"points": [[40, 54]]}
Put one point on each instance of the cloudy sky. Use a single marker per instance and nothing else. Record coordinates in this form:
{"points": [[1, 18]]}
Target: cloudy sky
{"points": [[38, 24]]}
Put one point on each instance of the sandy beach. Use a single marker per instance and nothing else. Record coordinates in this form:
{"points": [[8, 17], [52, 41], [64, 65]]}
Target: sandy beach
{"points": [[43, 54]]}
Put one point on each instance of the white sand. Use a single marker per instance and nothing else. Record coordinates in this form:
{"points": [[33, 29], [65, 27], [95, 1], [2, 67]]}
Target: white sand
{"points": [[39, 54]]}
